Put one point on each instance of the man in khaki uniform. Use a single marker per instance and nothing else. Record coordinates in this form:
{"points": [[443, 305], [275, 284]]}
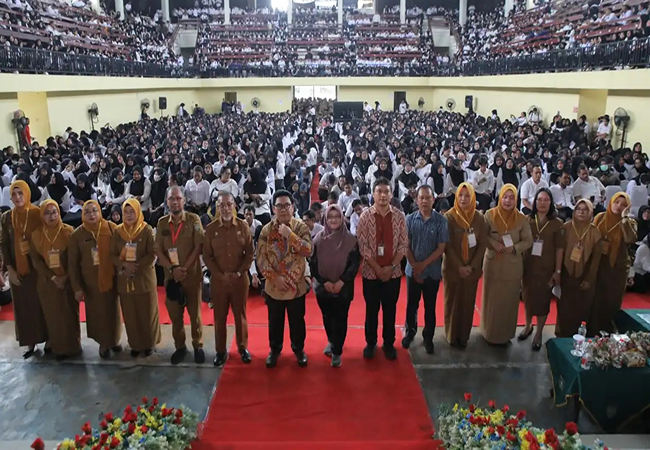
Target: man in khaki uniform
{"points": [[228, 252], [179, 238]]}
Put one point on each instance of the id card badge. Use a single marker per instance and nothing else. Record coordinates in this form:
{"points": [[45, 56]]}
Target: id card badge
{"points": [[507, 241], [537, 247], [576, 253], [380, 250], [24, 247], [131, 251], [605, 246], [95, 253], [173, 256], [53, 259], [471, 240]]}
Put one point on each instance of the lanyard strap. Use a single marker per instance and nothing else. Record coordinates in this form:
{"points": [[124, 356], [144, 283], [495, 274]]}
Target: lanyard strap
{"points": [[580, 238], [55, 236], [503, 220], [539, 232], [178, 232]]}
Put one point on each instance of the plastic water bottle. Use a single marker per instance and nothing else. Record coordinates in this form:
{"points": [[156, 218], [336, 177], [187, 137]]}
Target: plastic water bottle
{"points": [[582, 330]]}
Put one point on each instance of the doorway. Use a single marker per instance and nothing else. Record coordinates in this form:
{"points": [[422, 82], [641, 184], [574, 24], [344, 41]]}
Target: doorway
{"points": [[230, 97], [398, 96]]}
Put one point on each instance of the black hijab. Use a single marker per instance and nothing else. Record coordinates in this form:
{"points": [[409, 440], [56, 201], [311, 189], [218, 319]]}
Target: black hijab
{"points": [[84, 194], [117, 186], [257, 184], [57, 190], [136, 188], [509, 175]]}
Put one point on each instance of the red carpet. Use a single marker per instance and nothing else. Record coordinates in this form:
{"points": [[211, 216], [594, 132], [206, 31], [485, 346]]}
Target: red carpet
{"points": [[374, 404]]}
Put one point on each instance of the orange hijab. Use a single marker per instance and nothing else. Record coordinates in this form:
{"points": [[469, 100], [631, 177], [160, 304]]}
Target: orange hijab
{"points": [[129, 233], [465, 218], [24, 221], [47, 239], [609, 225], [102, 233], [506, 221]]}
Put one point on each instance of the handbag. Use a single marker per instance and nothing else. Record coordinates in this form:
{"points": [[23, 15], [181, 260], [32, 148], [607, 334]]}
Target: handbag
{"points": [[175, 292]]}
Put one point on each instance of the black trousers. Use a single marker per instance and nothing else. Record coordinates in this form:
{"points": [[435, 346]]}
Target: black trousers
{"points": [[565, 213], [484, 201], [335, 320], [414, 290], [526, 211], [295, 310], [381, 294]]}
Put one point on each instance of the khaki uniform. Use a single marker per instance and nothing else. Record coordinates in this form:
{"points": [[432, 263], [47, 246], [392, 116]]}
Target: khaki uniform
{"points": [[228, 248], [184, 238]]}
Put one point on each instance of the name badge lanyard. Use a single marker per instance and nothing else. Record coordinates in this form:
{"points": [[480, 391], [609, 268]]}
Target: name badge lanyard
{"points": [[173, 252], [95, 251], [24, 244], [53, 262], [471, 238], [606, 241], [576, 253], [506, 236], [130, 283]]}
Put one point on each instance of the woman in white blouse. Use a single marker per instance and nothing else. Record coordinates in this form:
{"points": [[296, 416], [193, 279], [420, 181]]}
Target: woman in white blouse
{"points": [[224, 183]]}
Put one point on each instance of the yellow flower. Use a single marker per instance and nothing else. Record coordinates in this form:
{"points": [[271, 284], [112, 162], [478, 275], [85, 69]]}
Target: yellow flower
{"points": [[541, 438], [117, 422], [67, 444], [496, 418], [118, 435], [455, 407]]}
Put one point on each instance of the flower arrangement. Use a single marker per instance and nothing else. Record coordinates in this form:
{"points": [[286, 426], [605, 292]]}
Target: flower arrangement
{"points": [[151, 426], [617, 350], [470, 426]]}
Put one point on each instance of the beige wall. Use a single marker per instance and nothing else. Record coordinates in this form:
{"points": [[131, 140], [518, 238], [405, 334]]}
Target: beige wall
{"points": [[384, 95], [637, 105], [8, 104]]}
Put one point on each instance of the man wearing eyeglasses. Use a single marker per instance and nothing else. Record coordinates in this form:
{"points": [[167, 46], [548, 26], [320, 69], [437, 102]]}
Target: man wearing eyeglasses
{"points": [[282, 250], [228, 252]]}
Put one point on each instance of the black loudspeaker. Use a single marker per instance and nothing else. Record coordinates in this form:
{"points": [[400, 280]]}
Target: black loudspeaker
{"points": [[469, 101], [348, 111], [162, 103]]}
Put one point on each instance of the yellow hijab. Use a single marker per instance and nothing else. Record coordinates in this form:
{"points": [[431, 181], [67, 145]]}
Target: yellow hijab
{"points": [[609, 225], [574, 231], [506, 221], [129, 233], [102, 232], [464, 218], [47, 239], [24, 221]]}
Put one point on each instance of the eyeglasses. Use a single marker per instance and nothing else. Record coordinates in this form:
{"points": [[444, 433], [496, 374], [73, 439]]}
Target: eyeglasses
{"points": [[226, 205], [283, 206], [51, 213]]}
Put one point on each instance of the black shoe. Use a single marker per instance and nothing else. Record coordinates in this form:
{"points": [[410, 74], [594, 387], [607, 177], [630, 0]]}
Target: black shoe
{"points": [[369, 351], [179, 355], [199, 356], [246, 357], [272, 360], [525, 335], [29, 353], [47, 350], [135, 353], [302, 359], [328, 350], [117, 349], [537, 346], [60, 358], [406, 342], [462, 345], [390, 352], [428, 347], [220, 359], [336, 361], [106, 354], [148, 352]]}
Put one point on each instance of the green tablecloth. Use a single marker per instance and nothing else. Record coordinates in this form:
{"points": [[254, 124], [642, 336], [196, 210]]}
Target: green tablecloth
{"points": [[630, 320], [612, 397]]}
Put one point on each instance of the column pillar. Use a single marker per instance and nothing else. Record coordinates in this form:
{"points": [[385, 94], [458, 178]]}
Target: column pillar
{"points": [[290, 12], [339, 9], [119, 8], [462, 12], [164, 4], [530, 4], [402, 11], [226, 12], [509, 6], [94, 4]]}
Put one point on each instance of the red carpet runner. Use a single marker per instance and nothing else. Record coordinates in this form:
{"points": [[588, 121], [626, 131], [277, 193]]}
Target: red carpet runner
{"points": [[369, 405]]}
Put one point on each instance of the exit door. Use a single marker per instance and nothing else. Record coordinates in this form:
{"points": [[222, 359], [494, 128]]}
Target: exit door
{"points": [[231, 97], [398, 96]]}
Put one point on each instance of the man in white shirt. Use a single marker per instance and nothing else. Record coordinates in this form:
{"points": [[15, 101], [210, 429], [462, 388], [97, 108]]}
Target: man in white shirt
{"points": [[533, 117], [312, 160], [181, 110], [604, 128], [309, 217], [197, 192], [590, 188], [530, 187], [521, 120], [483, 182], [357, 210], [402, 107], [347, 196], [563, 196]]}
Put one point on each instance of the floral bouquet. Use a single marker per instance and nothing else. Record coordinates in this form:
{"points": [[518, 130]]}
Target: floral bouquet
{"points": [[617, 350], [151, 426], [470, 426]]}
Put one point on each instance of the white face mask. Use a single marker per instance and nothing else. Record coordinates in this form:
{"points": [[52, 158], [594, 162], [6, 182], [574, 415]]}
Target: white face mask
{"points": [[156, 177]]}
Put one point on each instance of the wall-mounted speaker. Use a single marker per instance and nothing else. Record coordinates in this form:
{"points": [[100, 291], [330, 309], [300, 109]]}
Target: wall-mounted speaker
{"points": [[469, 101], [162, 103]]}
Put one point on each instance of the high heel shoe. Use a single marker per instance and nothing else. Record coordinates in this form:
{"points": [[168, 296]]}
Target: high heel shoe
{"points": [[29, 353], [525, 335]]}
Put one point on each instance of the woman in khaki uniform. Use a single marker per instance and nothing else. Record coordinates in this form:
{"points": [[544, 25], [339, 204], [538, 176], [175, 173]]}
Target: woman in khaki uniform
{"points": [[133, 255], [618, 231], [462, 265], [92, 276], [18, 225], [49, 253], [509, 237], [542, 264], [582, 251]]}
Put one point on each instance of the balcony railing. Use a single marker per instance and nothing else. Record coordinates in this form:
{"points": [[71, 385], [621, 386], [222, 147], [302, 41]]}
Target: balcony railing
{"points": [[618, 55]]}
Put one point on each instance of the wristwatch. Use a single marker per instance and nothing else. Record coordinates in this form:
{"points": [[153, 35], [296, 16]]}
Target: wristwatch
{"points": [[558, 271], [393, 266], [238, 274]]}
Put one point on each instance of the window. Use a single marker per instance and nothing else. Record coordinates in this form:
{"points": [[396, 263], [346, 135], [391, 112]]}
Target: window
{"points": [[326, 92]]}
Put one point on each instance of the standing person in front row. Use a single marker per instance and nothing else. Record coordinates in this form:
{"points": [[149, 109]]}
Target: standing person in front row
{"points": [[133, 254], [334, 265], [18, 224], [49, 254], [282, 249], [618, 231], [92, 276], [228, 252], [582, 254], [542, 264], [463, 264], [509, 237], [179, 237], [383, 243], [428, 235]]}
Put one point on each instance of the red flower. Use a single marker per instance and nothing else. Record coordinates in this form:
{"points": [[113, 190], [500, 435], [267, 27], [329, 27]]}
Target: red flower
{"points": [[535, 446], [164, 412], [512, 422], [103, 438], [511, 437], [86, 428], [131, 428], [468, 397], [472, 408], [491, 430], [177, 421], [501, 430], [139, 409], [530, 437], [521, 415], [145, 400], [115, 442], [128, 410], [151, 408], [492, 404], [97, 447], [472, 420], [155, 401], [144, 429], [38, 444], [506, 408], [179, 413], [109, 417], [571, 428], [103, 424]]}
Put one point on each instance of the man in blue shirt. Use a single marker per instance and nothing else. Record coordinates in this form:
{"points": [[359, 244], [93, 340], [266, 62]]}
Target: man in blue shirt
{"points": [[428, 234]]}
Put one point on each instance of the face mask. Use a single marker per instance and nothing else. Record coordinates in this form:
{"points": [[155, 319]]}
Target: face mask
{"points": [[604, 167], [156, 177]]}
